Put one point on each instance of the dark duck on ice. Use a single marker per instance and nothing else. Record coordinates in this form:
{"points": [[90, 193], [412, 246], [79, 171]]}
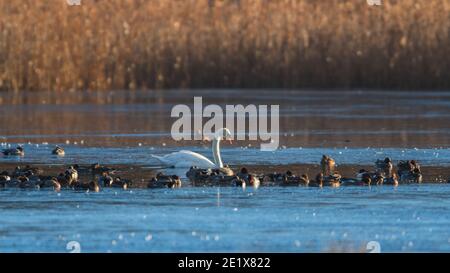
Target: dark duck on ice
{"points": [[18, 151]]}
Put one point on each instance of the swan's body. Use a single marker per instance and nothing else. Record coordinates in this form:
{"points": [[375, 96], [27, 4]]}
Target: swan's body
{"points": [[187, 159]]}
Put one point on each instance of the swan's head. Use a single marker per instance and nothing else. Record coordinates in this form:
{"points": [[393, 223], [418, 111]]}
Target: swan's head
{"points": [[224, 134]]}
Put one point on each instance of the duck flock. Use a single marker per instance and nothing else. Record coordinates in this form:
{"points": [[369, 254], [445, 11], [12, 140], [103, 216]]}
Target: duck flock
{"points": [[383, 173], [407, 172]]}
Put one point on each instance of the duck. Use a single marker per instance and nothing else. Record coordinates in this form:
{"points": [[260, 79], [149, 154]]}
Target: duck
{"points": [[50, 182], [393, 180], [120, 183], [361, 173], [26, 183], [327, 165], [15, 182], [333, 180], [253, 181], [165, 181], [238, 182], [365, 178], [217, 176], [64, 180], [407, 166], [304, 179], [4, 178], [27, 171], [273, 178], [411, 177], [218, 179], [91, 186], [409, 172], [198, 175], [379, 178], [317, 182], [384, 167], [250, 179], [58, 151], [105, 180], [18, 151], [98, 169], [289, 179], [72, 174], [243, 173]]}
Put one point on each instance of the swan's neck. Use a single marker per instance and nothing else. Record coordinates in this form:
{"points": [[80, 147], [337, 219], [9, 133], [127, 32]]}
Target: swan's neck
{"points": [[216, 152]]}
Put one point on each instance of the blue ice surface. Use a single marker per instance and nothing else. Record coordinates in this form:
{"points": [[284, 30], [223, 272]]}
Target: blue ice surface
{"points": [[409, 218], [237, 156]]}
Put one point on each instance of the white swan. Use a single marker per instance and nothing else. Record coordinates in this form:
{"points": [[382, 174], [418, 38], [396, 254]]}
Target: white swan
{"points": [[187, 159]]}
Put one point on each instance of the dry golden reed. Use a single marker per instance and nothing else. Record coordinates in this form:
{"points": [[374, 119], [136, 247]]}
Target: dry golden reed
{"points": [[132, 44]]}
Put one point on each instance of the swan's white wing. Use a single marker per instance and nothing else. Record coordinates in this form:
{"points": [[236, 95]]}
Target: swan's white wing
{"points": [[185, 159]]}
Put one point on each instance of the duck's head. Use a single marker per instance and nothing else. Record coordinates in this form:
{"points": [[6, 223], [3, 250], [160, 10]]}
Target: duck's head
{"points": [[289, 173], [20, 148], [387, 160], [244, 170]]}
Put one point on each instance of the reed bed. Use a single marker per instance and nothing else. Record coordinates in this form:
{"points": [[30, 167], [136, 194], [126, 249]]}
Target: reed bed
{"points": [[158, 44]]}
